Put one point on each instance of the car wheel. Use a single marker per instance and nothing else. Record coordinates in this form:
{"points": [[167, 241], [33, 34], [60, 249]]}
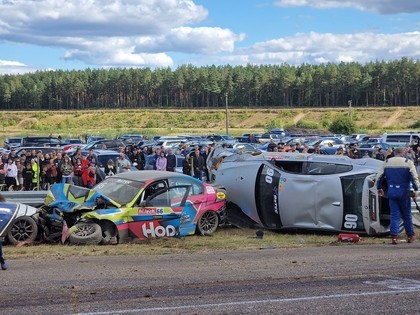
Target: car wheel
{"points": [[208, 223], [87, 233], [22, 229]]}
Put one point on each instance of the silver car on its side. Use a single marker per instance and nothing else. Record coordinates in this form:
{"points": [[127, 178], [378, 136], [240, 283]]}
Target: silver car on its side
{"points": [[297, 191]]}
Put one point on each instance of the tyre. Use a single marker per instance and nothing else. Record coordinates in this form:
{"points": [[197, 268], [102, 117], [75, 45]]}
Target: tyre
{"points": [[22, 229], [87, 233], [208, 223]]}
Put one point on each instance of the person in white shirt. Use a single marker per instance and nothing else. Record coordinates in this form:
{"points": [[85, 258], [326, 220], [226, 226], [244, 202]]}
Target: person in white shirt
{"points": [[10, 173], [123, 163]]}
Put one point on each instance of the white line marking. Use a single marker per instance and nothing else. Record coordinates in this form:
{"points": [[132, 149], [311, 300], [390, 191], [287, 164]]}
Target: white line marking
{"points": [[308, 298]]}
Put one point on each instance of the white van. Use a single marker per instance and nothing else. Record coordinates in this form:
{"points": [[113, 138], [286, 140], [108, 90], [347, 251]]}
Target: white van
{"points": [[401, 139]]}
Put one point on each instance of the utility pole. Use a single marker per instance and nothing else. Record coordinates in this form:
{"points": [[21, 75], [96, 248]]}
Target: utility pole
{"points": [[227, 114], [349, 113]]}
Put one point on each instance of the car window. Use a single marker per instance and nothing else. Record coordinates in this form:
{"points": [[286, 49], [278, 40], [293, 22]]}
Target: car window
{"points": [[196, 188], [323, 168], [118, 189], [294, 167]]}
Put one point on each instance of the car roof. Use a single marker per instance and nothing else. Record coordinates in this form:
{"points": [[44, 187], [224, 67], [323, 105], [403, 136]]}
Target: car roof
{"points": [[148, 175]]}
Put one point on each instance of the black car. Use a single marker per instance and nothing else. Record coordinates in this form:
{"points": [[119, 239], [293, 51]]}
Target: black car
{"points": [[12, 142], [105, 144], [40, 141]]}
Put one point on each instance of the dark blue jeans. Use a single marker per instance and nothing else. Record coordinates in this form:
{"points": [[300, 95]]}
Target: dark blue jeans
{"points": [[400, 204]]}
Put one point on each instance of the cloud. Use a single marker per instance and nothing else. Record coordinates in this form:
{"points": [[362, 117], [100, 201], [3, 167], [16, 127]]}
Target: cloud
{"points": [[14, 67], [114, 32], [379, 6], [321, 48], [202, 40]]}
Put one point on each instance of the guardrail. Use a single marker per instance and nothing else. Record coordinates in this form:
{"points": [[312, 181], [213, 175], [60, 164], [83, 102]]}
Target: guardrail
{"points": [[32, 198]]}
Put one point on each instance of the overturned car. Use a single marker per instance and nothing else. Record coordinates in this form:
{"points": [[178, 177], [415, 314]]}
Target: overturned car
{"points": [[297, 191], [133, 205], [18, 222]]}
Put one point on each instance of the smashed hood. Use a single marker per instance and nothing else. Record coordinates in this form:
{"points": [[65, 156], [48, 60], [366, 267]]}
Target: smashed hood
{"points": [[71, 198]]}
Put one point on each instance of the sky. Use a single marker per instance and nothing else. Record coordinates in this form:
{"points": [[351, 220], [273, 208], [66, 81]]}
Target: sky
{"points": [[80, 34]]}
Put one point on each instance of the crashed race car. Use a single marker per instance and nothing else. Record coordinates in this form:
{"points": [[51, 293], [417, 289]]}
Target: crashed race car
{"points": [[298, 191], [133, 205], [18, 222]]}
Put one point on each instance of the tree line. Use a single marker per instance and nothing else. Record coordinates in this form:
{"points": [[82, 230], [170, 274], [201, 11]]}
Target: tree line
{"points": [[259, 86]]}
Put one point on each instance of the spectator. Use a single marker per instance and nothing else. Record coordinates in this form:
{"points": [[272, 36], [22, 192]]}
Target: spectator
{"points": [[20, 167], [186, 165], [77, 172], [66, 169], [36, 174], [171, 161], [198, 164], [271, 145], [10, 173], [58, 161], [161, 162], [89, 175], [110, 169], [205, 154], [124, 163], [51, 173], [417, 160], [380, 155], [389, 153], [77, 155], [138, 159], [27, 174]]}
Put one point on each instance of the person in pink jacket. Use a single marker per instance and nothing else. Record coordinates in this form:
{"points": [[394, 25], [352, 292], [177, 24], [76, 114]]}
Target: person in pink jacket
{"points": [[161, 162]]}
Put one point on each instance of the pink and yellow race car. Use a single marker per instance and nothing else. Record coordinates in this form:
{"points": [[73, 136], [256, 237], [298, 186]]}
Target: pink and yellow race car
{"points": [[135, 205]]}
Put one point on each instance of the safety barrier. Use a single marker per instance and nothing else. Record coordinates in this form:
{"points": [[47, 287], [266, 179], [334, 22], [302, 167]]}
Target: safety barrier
{"points": [[33, 198]]}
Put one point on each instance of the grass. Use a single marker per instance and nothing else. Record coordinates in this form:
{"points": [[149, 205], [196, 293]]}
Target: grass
{"points": [[225, 239], [151, 122]]}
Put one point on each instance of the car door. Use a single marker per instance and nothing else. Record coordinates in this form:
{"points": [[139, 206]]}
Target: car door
{"points": [[159, 214], [311, 200]]}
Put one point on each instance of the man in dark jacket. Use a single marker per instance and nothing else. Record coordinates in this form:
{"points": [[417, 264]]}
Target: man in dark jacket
{"points": [[171, 161], [198, 164], [399, 172]]}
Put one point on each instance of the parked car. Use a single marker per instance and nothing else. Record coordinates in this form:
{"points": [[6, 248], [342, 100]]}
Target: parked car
{"points": [[105, 144], [18, 222], [12, 142], [132, 139], [222, 139], [266, 137], [136, 205], [296, 191], [90, 139], [46, 141], [72, 141], [401, 139]]}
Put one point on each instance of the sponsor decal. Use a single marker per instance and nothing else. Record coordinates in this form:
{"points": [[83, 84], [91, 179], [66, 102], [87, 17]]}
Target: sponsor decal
{"points": [[151, 211], [282, 181], [275, 198], [149, 229], [210, 190], [221, 195]]}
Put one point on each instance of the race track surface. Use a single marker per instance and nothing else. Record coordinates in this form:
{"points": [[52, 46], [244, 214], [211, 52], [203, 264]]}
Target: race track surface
{"points": [[339, 279]]}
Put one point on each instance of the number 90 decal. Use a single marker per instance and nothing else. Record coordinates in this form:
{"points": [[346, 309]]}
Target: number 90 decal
{"points": [[269, 176], [350, 221]]}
